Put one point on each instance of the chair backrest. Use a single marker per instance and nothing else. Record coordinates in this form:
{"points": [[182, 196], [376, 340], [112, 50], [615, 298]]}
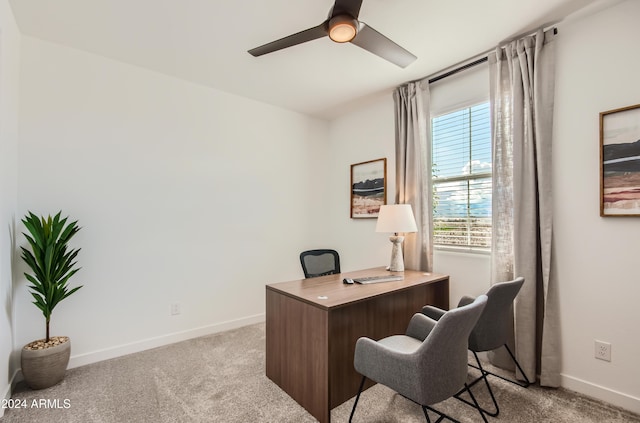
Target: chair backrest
{"points": [[320, 262], [496, 321], [443, 354]]}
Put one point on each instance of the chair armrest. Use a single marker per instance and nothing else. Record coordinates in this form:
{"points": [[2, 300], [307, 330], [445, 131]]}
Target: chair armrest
{"points": [[385, 365], [465, 300], [434, 313], [420, 326]]}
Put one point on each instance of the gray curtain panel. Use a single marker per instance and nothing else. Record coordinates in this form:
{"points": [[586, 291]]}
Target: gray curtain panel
{"points": [[413, 170], [522, 98]]}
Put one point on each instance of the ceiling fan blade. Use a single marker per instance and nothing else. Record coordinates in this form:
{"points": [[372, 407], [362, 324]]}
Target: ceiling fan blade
{"points": [[350, 7], [376, 43], [292, 40]]}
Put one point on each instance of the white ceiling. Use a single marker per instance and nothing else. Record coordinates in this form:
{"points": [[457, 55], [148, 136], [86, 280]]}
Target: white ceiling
{"points": [[206, 41]]}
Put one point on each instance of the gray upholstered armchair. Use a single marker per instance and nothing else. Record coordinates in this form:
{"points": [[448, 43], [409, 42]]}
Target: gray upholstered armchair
{"points": [[492, 330], [428, 364]]}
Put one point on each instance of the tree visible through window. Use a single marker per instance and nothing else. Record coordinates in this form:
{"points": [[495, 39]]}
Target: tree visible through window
{"points": [[461, 157]]}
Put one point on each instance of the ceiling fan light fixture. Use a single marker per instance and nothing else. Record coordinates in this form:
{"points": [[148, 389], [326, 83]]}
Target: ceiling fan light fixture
{"points": [[343, 28]]}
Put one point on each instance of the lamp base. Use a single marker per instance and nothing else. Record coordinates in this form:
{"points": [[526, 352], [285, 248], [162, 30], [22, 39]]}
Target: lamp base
{"points": [[397, 261]]}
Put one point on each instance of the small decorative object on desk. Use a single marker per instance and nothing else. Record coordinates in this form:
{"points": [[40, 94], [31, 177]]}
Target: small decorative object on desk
{"points": [[396, 218]]}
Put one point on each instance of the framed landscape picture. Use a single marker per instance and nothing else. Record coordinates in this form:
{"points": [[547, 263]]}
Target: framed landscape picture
{"points": [[620, 162], [368, 188]]}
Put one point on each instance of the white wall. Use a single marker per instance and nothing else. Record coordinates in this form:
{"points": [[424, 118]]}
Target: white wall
{"points": [[9, 82], [364, 135], [595, 257], [185, 194]]}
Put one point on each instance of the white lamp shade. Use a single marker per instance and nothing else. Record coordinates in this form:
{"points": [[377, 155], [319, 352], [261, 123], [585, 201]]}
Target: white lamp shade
{"points": [[396, 218]]}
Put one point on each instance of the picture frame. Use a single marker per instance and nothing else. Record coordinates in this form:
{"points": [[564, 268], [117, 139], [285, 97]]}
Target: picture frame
{"points": [[368, 188], [620, 162]]}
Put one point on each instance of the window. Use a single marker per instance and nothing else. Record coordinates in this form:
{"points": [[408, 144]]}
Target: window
{"points": [[461, 160]]}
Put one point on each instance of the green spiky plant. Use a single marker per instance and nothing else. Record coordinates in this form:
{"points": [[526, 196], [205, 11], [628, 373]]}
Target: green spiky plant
{"points": [[50, 260]]}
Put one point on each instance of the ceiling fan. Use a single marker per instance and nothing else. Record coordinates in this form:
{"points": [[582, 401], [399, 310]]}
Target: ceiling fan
{"points": [[343, 26]]}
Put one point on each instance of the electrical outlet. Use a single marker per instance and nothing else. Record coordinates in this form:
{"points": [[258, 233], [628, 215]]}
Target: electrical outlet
{"points": [[603, 350], [175, 309]]}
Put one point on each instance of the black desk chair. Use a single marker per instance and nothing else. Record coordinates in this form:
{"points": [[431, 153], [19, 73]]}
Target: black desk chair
{"points": [[320, 262]]}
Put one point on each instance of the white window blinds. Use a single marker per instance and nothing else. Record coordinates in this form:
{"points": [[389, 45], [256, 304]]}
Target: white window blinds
{"points": [[461, 157]]}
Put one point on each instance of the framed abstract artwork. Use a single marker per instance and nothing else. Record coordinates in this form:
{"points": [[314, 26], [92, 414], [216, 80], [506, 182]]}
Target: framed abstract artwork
{"points": [[620, 162], [368, 188]]}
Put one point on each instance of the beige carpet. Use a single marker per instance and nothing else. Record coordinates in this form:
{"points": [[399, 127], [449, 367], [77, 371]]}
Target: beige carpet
{"points": [[220, 378]]}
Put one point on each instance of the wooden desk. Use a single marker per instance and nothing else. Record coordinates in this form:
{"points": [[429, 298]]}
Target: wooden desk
{"points": [[311, 341]]}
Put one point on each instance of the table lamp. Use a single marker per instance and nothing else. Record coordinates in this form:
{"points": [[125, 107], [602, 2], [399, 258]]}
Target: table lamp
{"points": [[396, 218]]}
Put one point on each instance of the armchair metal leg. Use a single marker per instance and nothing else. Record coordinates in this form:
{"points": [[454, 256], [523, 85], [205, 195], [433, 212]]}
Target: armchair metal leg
{"points": [[355, 404], [484, 375], [442, 416], [475, 403], [426, 408], [524, 384], [426, 413]]}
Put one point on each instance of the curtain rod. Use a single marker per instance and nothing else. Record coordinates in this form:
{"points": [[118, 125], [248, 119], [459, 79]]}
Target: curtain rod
{"points": [[482, 59], [458, 69]]}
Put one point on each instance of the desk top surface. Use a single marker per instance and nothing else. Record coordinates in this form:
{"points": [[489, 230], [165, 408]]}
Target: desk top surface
{"points": [[330, 292]]}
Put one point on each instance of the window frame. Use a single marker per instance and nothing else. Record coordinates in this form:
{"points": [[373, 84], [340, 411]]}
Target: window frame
{"points": [[459, 178]]}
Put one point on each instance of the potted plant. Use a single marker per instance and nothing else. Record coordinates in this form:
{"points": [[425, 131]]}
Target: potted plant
{"points": [[52, 264]]}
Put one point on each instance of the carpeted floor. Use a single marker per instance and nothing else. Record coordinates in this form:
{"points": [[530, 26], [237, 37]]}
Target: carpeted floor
{"points": [[220, 378]]}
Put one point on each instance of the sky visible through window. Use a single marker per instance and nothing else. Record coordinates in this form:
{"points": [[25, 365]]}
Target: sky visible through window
{"points": [[461, 156]]}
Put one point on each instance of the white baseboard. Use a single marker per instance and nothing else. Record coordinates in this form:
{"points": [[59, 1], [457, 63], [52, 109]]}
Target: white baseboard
{"points": [[618, 399], [6, 396], [145, 344], [7, 390]]}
